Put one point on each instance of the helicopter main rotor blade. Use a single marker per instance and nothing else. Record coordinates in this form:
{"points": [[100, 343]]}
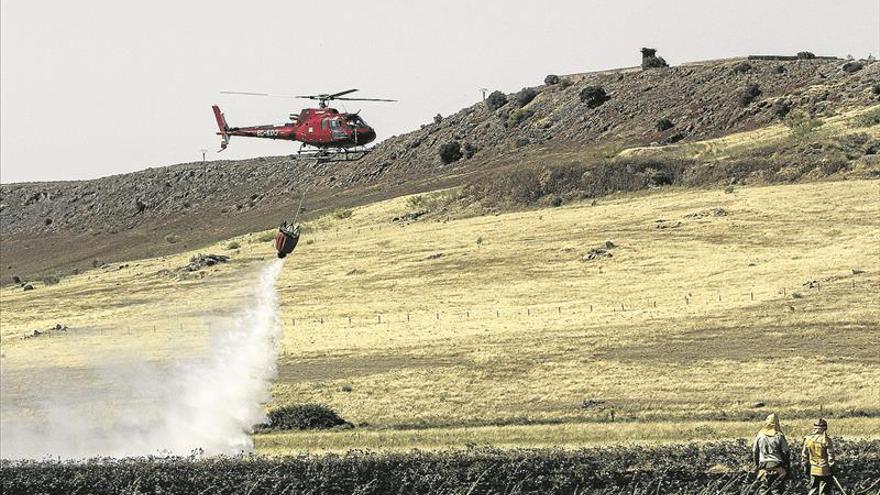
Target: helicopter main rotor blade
{"points": [[342, 93], [259, 94], [365, 99]]}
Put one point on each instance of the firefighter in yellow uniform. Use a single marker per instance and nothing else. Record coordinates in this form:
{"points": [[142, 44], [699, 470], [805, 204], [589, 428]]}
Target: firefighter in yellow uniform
{"points": [[771, 455], [818, 457]]}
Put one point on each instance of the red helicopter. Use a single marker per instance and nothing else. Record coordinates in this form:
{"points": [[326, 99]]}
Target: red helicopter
{"points": [[334, 136]]}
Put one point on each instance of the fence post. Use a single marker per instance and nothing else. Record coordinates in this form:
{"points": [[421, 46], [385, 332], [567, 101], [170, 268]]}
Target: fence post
{"points": [[528, 312], [559, 310], [379, 318], [407, 317], [349, 321], [752, 294], [497, 314]]}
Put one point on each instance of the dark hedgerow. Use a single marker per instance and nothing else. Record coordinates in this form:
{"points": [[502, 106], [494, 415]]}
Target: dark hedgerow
{"points": [[594, 96], [450, 152], [304, 417], [496, 100], [721, 467]]}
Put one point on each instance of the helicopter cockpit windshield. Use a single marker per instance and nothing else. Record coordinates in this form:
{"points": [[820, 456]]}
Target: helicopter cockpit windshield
{"points": [[356, 121]]}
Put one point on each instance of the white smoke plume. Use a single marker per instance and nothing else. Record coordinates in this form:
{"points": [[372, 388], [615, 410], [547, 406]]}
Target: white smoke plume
{"points": [[209, 404]]}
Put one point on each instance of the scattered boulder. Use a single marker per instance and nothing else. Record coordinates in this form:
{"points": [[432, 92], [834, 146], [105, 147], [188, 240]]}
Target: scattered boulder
{"points": [[758, 405], [598, 253], [551, 79], [200, 261], [852, 66], [594, 96], [434, 256], [665, 224], [410, 217], [714, 212], [27, 287], [469, 150], [438, 118]]}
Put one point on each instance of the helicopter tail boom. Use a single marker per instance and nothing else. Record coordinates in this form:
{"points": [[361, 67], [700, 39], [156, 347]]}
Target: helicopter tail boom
{"points": [[224, 128]]}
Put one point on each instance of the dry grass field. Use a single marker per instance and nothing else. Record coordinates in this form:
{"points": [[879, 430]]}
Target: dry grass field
{"points": [[493, 330]]}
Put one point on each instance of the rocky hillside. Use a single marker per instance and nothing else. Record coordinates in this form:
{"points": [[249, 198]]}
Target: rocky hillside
{"points": [[56, 226]]}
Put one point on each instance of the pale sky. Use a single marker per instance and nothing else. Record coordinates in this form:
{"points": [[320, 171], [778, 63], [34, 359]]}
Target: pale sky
{"points": [[93, 88]]}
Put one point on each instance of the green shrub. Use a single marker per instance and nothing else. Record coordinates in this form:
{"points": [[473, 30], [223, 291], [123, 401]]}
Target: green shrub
{"points": [[593, 96], [525, 96], [233, 245], [868, 119], [751, 93], [496, 100], [518, 116], [664, 124], [801, 124], [305, 417], [450, 152]]}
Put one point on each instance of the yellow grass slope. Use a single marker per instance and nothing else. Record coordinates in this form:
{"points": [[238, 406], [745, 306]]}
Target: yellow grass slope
{"points": [[492, 329]]}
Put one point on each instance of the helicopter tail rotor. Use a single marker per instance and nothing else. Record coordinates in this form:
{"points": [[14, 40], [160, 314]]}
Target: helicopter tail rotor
{"points": [[224, 128]]}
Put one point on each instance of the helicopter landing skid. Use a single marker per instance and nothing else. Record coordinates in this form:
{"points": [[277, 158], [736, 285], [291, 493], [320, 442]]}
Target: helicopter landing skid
{"points": [[328, 156]]}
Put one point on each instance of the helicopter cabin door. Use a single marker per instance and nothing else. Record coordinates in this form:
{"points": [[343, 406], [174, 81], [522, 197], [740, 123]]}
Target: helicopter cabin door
{"points": [[336, 132]]}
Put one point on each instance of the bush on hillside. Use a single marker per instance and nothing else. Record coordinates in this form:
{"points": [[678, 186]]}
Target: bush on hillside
{"points": [[750, 94], [517, 116], [742, 67], [304, 417], [450, 152], [496, 100], [806, 55], [664, 124], [781, 108], [551, 79], [801, 124], [650, 60], [594, 96], [525, 96]]}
